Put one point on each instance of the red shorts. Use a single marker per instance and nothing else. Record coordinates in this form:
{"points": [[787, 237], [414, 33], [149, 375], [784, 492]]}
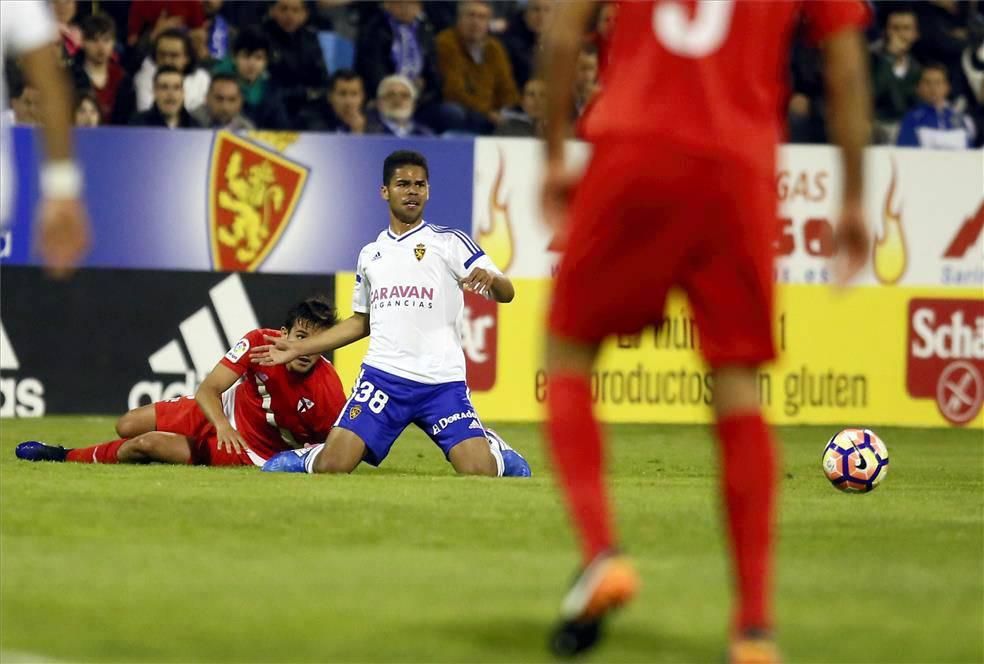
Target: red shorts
{"points": [[183, 416], [643, 220]]}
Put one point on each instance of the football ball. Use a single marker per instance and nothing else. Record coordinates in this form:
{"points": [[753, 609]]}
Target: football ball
{"points": [[855, 460]]}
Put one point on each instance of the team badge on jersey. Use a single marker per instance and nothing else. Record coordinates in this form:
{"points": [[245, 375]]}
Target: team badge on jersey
{"points": [[252, 194], [238, 350], [354, 412], [419, 251]]}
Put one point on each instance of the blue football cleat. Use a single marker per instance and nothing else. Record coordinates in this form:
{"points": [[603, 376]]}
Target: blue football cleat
{"points": [[514, 465], [289, 461], [32, 450]]}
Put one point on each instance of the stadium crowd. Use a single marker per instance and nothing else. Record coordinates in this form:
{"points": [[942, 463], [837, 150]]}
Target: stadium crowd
{"points": [[410, 68]]}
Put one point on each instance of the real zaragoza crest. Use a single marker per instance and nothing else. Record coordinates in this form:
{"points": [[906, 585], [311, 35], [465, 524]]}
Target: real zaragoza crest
{"points": [[419, 251], [252, 194]]}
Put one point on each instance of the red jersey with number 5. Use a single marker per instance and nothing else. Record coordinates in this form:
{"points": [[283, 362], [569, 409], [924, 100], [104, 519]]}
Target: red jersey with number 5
{"points": [[709, 76], [276, 409]]}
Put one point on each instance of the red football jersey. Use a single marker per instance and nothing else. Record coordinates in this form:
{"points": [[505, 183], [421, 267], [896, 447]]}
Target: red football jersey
{"points": [[709, 76], [276, 409]]}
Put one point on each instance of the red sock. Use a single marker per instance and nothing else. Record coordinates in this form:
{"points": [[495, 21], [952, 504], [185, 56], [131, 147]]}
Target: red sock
{"points": [[748, 477], [104, 453], [575, 441]]}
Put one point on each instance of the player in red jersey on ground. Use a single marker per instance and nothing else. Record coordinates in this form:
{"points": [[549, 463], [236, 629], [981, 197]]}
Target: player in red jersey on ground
{"points": [[266, 411], [679, 193]]}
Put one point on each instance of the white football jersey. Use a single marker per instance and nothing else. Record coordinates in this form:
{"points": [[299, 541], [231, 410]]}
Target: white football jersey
{"points": [[409, 286]]}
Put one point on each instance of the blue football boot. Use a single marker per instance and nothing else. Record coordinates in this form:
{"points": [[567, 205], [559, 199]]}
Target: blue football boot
{"points": [[514, 465], [289, 461], [32, 450]]}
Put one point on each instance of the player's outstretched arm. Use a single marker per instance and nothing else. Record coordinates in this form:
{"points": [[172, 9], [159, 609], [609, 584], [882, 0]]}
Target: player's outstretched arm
{"points": [[562, 42], [62, 235], [209, 398], [281, 350], [849, 122], [484, 281]]}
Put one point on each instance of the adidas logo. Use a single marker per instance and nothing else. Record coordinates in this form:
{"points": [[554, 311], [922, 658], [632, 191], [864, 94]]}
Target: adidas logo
{"points": [[475, 425], [204, 337], [304, 404], [376, 257], [22, 397]]}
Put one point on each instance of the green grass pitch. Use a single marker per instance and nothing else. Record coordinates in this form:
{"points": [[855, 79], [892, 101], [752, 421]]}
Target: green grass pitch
{"points": [[410, 563]]}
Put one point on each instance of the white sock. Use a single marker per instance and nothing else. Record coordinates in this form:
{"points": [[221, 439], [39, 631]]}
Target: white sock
{"points": [[497, 455], [311, 456]]}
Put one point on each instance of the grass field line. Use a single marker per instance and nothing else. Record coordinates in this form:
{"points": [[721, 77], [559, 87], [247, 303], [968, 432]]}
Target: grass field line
{"points": [[21, 657]]}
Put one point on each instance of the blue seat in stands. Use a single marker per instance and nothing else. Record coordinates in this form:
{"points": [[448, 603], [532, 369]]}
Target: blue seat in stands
{"points": [[338, 51]]}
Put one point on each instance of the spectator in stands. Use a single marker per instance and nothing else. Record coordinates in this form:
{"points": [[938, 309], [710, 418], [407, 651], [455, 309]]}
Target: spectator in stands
{"points": [[168, 109], [24, 100], [894, 72], [522, 38], [475, 69], [934, 123], [223, 106], [344, 111], [601, 36], [261, 99], [70, 33], [586, 77], [173, 48], [528, 122], [296, 61], [218, 37], [943, 36], [94, 69], [395, 105], [86, 112], [806, 111], [400, 40], [148, 19]]}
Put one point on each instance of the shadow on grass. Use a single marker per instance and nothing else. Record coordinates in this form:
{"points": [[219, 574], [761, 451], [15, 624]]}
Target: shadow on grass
{"points": [[523, 639]]}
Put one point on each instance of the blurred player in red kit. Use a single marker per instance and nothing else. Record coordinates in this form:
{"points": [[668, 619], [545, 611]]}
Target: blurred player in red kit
{"points": [[241, 415], [679, 192]]}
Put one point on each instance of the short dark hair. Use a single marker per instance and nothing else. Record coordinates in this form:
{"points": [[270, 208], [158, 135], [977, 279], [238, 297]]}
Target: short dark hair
{"points": [[342, 75], [167, 69], [938, 66], [176, 33], [403, 158], [316, 311], [223, 77], [251, 39], [96, 25], [87, 95]]}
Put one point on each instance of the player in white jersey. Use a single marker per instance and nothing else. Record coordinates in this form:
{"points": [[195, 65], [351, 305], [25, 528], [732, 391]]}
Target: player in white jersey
{"points": [[27, 30], [409, 300]]}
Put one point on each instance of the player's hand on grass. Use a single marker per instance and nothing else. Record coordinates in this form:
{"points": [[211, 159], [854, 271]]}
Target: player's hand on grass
{"points": [[230, 439], [62, 235], [279, 351], [852, 244], [479, 281]]}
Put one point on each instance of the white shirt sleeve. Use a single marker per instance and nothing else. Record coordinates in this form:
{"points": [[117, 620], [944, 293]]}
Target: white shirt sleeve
{"points": [[360, 293], [464, 255], [27, 25]]}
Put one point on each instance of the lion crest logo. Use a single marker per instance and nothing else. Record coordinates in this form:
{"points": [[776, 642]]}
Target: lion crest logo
{"points": [[253, 192], [419, 252], [354, 412]]}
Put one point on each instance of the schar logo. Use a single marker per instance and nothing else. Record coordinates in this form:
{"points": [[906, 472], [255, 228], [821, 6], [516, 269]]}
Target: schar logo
{"points": [[252, 194], [946, 356], [19, 397], [203, 343], [480, 341]]}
